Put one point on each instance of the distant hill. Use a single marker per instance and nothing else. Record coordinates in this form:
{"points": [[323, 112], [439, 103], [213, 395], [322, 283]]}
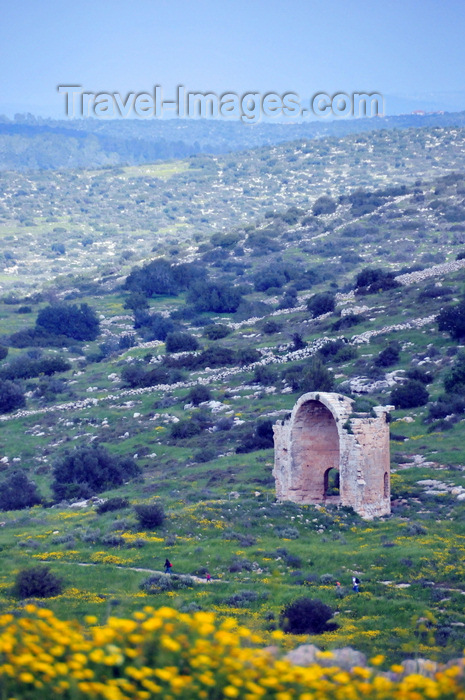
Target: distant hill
{"points": [[29, 143]]}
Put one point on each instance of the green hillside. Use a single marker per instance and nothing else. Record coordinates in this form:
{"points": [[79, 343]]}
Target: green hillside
{"points": [[168, 314]]}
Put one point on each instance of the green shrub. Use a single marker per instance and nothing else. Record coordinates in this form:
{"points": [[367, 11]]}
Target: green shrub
{"points": [[116, 503], [88, 470], [242, 599], [216, 331], [287, 533], [306, 616], [454, 381], [237, 565], [37, 582], [78, 322], [17, 492], [11, 396], [388, 356], [270, 326], [150, 515], [410, 395], [373, 280], [260, 439], [321, 303], [164, 583], [198, 394], [180, 342]]}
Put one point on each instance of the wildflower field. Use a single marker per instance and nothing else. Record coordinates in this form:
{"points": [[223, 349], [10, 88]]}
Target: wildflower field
{"points": [[261, 556], [167, 654]]}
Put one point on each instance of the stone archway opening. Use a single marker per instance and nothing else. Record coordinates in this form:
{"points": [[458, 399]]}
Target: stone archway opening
{"points": [[315, 454], [331, 483], [386, 491]]}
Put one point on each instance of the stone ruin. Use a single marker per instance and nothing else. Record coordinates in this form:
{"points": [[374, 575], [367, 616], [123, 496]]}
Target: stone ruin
{"points": [[325, 453]]}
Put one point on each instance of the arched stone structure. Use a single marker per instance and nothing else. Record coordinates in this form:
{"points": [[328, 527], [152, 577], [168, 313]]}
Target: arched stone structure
{"points": [[322, 435]]}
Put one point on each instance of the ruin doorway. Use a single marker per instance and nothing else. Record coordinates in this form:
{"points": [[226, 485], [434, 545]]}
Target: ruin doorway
{"points": [[331, 483]]}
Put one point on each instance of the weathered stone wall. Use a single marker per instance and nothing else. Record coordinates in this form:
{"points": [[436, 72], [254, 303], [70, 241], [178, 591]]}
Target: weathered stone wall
{"points": [[321, 435]]}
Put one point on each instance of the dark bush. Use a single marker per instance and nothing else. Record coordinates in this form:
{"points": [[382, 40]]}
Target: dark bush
{"points": [[420, 375], [11, 396], [214, 296], [136, 375], [314, 377], [186, 428], [88, 470], [113, 540], [242, 599], [373, 280], [271, 326], [388, 356], [246, 356], [409, 395], [17, 492], [454, 381], [3, 352], [157, 277], [347, 321], [264, 374], [306, 616], [237, 565], [37, 582], [321, 303], [452, 320], [116, 503], [78, 322], [216, 331], [447, 405], [180, 342], [324, 205], [153, 326], [150, 515], [260, 439], [205, 455], [25, 367], [198, 394]]}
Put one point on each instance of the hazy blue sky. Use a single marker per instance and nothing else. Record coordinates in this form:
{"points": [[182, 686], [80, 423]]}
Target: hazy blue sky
{"points": [[409, 48]]}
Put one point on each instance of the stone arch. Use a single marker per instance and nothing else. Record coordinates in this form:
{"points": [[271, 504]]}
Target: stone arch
{"points": [[315, 449], [322, 434]]}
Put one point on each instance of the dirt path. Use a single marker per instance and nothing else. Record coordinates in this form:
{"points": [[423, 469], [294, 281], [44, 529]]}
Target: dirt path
{"points": [[197, 579]]}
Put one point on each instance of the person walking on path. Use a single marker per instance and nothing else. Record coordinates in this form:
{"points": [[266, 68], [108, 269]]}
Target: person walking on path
{"points": [[168, 566], [208, 577], [355, 584]]}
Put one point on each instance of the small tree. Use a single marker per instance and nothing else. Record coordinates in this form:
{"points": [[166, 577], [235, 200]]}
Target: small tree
{"points": [[88, 470], [11, 396], [180, 342], [389, 356], [454, 381], [306, 616], [410, 395], [321, 303], [18, 492], [452, 320], [198, 394], [150, 515], [78, 322], [316, 377]]}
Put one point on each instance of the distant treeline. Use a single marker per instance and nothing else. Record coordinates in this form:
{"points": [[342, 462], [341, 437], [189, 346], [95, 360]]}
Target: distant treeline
{"points": [[45, 144]]}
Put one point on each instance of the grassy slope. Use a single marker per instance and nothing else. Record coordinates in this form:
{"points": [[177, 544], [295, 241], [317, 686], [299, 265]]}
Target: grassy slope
{"points": [[408, 563]]}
